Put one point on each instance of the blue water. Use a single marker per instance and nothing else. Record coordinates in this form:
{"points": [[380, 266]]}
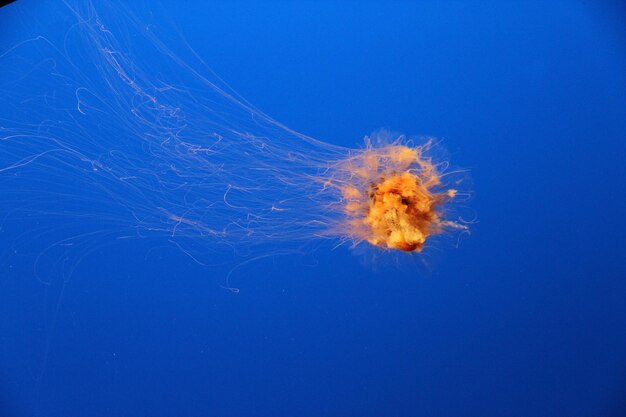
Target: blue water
{"points": [[526, 317]]}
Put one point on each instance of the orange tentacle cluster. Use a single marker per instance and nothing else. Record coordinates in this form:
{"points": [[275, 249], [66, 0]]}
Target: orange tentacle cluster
{"points": [[391, 200]]}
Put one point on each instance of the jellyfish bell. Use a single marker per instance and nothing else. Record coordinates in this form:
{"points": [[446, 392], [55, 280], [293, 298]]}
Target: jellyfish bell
{"points": [[393, 194]]}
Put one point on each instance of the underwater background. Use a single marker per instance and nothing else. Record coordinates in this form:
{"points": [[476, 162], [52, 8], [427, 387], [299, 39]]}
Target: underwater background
{"points": [[524, 317]]}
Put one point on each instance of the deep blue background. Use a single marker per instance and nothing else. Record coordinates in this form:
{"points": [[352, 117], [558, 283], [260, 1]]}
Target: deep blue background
{"points": [[526, 318]]}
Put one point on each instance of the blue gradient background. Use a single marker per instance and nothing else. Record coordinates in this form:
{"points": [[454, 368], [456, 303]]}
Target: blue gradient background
{"points": [[526, 318]]}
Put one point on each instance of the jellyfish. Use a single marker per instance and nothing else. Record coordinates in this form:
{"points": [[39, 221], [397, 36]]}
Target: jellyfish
{"points": [[104, 137]]}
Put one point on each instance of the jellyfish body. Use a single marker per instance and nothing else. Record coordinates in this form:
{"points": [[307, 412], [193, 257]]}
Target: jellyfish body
{"points": [[395, 196]]}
